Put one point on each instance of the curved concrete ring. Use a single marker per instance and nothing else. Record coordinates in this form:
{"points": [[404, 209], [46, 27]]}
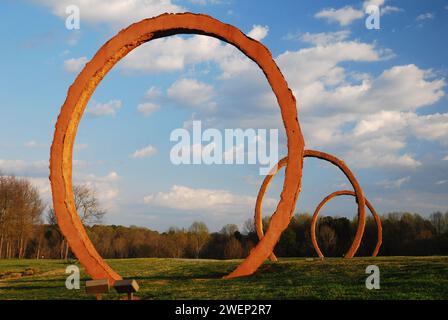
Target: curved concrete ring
{"points": [[348, 173], [345, 193], [86, 83]]}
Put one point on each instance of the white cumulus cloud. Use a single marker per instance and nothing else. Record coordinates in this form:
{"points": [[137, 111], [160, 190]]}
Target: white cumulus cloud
{"points": [[75, 64], [24, 168], [344, 16], [322, 38], [348, 14], [394, 184], [116, 13], [105, 187], [104, 109], [145, 152], [147, 108], [209, 200], [258, 32], [425, 16], [192, 93]]}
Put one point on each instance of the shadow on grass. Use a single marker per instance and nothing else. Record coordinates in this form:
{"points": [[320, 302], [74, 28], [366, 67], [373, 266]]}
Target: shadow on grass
{"points": [[15, 288], [179, 278]]}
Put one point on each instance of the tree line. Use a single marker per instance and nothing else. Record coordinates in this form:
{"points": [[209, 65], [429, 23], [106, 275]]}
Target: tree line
{"points": [[28, 229]]}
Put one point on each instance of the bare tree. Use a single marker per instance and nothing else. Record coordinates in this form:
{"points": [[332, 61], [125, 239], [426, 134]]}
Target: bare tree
{"points": [[233, 249], [20, 211], [63, 244], [438, 221], [87, 205], [328, 237], [249, 226], [199, 236], [229, 229]]}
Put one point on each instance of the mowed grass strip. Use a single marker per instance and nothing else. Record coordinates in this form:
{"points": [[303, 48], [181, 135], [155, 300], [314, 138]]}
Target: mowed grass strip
{"points": [[295, 278]]}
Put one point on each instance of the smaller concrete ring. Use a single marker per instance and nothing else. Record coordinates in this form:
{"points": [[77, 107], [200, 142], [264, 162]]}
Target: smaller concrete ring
{"points": [[345, 193], [347, 172]]}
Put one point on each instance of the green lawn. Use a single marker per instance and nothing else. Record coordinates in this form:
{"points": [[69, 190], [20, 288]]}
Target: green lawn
{"points": [[401, 278]]}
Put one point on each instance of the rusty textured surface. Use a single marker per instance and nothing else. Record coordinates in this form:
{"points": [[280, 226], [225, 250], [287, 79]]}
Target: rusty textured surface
{"points": [[350, 176], [92, 74], [338, 194]]}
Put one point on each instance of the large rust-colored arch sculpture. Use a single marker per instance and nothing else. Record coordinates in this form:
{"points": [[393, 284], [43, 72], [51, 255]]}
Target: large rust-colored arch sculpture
{"points": [[86, 83], [338, 194], [348, 173]]}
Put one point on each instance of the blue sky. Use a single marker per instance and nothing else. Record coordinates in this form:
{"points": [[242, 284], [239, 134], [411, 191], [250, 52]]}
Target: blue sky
{"points": [[375, 98]]}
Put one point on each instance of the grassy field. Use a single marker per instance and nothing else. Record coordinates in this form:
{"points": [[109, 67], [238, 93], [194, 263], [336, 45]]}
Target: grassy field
{"points": [[401, 278]]}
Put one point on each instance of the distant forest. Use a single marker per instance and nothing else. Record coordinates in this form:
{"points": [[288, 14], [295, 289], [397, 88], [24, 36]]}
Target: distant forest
{"points": [[28, 229]]}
